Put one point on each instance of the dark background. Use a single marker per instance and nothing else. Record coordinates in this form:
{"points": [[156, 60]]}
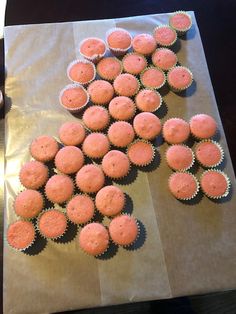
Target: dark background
{"points": [[216, 21]]}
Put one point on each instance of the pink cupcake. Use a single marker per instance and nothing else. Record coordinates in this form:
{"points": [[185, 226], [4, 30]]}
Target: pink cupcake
{"points": [[203, 126], [109, 68], [44, 148], [33, 175], [52, 224], [164, 59], [115, 164], [215, 184], [21, 235], [69, 159], [183, 185], [179, 157], [28, 204], [141, 153], [80, 209], [118, 41], [176, 131], [110, 200], [152, 77], [72, 133], [123, 230], [179, 78], [96, 145], [101, 92], [134, 63], [122, 108], [126, 85], [209, 153], [121, 133], [181, 22], [94, 239], [90, 179], [144, 44], [59, 188], [74, 98], [148, 100], [92, 49], [96, 118], [147, 125], [165, 35], [81, 71]]}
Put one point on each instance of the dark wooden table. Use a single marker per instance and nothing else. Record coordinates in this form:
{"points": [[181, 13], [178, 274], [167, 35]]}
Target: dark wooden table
{"points": [[216, 20]]}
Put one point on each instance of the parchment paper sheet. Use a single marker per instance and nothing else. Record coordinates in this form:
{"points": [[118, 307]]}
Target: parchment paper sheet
{"points": [[189, 249]]}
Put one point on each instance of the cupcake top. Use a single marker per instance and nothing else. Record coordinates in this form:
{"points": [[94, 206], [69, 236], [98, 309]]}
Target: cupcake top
{"points": [[203, 126], [109, 68], [20, 235], [121, 133], [153, 78], [144, 44], [44, 148], [96, 145], [90, 179], [92, 48], [94, 239], [115, 164], [73, 97], [33, 174], [28, 204], [183, 185], [101, 92], [164, 59], [126, 85], [110, 200], [59, 188], [181, 21], [81, 71], [122, 108], [148, 100], [176, 131], [147, 125], [134, 63], [96, 118], [215, 184], [80, 209], [72, 133], [140, 153], [179, 78], [69, 159], [119, 38], [165, 35], [179, 157], [123, 230], [209, 153], [52, 224]]}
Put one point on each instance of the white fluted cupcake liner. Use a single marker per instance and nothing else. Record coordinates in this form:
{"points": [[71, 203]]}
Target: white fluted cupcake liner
{"points": [[80, 61], [184, 169], [150, 87], [226, 178], [142, 141], [118, 51], [180, 32], [220, 149], [173, 88], [161, 44], [95, 58]]}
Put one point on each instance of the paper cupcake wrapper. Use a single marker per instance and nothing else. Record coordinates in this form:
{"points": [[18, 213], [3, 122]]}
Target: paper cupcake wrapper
{"points": [[161, 44], [80, 61], [109, 138], [220, 149], [130, 54], [104, 77], [95, 58], [137, 90], [180, 32], [184, 169], [173, 88], [78, 109], [197, 186], [143, 141], [150, 87], [118, 51], [164, 70], [97, 132], [226, 178], [131, 117], [38, 219], [158, 107]]}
